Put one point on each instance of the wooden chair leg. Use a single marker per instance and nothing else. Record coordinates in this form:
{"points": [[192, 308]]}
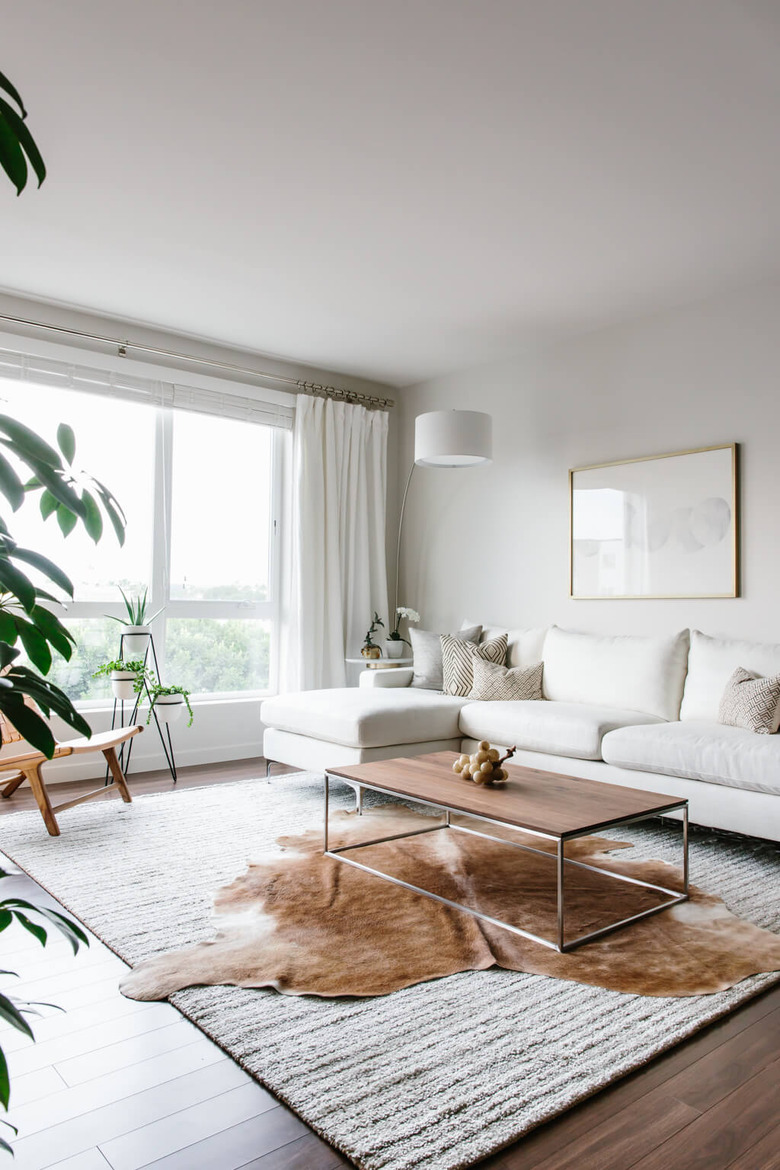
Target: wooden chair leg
{"points": [[13, 784], [42, 798], [117, 773]]}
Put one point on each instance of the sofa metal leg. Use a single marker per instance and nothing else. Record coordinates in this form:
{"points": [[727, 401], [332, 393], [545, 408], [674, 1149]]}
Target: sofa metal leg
{"points": [[359, 800], [268, 768]]}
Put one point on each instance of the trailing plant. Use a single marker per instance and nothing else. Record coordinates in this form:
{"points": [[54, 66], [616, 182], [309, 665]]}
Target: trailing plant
{"points": [[136, 665], [72, 496], [136, 610], [17, 145], [12, 1010], [155, 690]]}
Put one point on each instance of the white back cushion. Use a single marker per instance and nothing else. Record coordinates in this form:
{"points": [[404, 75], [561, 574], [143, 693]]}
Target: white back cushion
{"points": [[627, 671], [712, 662], [525, 645]]}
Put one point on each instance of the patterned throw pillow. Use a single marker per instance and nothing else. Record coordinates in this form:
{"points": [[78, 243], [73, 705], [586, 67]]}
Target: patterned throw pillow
{"points": [[458, 661], [494, 683], [426, 648], [752, 702]]}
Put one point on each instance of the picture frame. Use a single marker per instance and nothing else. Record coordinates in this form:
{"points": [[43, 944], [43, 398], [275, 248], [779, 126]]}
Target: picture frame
{"points": [[656, 526]]}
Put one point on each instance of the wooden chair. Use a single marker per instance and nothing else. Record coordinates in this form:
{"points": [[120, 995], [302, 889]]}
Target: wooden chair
{"points": [[27, 766]]}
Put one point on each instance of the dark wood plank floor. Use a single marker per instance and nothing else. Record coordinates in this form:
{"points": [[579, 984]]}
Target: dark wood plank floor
{"points": [[712, 1102]]}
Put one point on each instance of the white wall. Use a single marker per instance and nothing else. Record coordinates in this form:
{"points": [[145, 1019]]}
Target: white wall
{"points": [[492, 542]]}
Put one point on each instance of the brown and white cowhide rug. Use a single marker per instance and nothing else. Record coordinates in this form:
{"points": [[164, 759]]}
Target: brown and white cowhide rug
{"points": [[307, 924]]}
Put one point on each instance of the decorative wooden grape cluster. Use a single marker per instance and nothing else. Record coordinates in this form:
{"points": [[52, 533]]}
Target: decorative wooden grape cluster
{"points": [[484, 765]]}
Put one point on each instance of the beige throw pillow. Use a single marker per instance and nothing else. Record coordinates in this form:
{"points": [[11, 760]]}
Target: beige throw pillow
{"points": [[495, 683], [752, 702], [458, 661]]}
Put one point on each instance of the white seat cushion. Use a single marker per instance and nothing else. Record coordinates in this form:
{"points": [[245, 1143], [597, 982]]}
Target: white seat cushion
{"points": [[624, 671], [565, 729], [366, 718], [711, 663], [699, 750]]}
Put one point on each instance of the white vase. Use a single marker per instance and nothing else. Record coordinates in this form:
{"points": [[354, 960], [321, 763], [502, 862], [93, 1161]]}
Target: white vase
{"points": [[394, 648], [135, 641], [122, 684], [169, 708]]}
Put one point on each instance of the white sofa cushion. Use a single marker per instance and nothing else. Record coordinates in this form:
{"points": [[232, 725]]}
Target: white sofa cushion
{"points": [[699, 750], [711, 663], [623, 671], [365, 718], [567, 729]]}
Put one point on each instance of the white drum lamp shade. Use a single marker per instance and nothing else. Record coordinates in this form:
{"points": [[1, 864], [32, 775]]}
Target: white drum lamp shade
{"points": [[453, 438]]}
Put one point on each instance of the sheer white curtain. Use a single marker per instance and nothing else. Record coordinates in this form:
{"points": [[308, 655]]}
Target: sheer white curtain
{"points": [[338, 572]]}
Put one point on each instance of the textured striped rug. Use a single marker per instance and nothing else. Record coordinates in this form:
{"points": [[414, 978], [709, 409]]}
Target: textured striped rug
{"points": [[435, 1076]]}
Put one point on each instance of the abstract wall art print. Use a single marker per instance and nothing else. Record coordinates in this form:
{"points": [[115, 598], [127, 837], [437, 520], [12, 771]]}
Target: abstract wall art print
{"points": [[656, 526]]}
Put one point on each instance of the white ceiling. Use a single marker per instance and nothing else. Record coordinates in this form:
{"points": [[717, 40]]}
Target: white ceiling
{"points": [[393, 188]]}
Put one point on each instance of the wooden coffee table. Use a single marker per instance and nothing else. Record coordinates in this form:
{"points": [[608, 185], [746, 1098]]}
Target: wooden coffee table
{"points": [[543, 804]]}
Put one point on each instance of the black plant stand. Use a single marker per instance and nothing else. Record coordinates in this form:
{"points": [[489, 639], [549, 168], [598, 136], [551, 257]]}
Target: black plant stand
{"points": [[119, 721]]}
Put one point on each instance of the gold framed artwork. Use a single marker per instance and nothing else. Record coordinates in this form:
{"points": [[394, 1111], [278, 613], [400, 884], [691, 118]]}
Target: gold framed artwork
{"points": [[656, 526]]}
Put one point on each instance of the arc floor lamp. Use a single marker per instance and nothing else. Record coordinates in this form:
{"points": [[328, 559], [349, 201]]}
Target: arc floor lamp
{"points": [[446, 438]]}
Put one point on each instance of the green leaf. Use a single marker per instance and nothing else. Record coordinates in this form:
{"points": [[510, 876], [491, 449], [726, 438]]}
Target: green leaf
{"points": [[34, 929], [8, 632], [48, 504], [66, 441], [47, 567], [114, 516], [12, 92], [52, 478], [53, 631], [66, 926], [5, 1084], [10, 484], [28, 445], [93, 521], [29, 724], [6, 918], [66, 520], [7, 655], [35, 645], [25, 139], [49, 696], [11, 1014], [12, 158], [12, 581]]}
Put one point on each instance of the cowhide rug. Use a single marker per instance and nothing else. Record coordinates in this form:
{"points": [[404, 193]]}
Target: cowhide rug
{"points": [[306, 924]]}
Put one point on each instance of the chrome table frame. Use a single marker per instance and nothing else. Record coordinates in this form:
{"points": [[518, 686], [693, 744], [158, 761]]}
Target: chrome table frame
{"points": [[559, 943]]}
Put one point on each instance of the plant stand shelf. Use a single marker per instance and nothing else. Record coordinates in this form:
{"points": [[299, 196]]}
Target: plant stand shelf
{"points": [[118, 717]]}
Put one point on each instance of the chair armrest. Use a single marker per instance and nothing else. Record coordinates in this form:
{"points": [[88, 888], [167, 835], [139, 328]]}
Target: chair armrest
{"points": [[394, 676]]}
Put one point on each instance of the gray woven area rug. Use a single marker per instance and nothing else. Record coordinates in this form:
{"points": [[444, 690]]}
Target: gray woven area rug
{"points": [[435, 1076]]}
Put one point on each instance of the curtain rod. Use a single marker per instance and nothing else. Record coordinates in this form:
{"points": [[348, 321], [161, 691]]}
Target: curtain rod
{"points": [[371, 401]]}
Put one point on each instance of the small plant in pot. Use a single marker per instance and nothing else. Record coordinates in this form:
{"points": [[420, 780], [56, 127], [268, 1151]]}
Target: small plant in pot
{"points": [[394, 643], [126, 676], [168, 703], [369, 649], [137, 631]]}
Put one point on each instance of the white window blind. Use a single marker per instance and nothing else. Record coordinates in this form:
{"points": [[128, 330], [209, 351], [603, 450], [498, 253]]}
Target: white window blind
{"points": [[247, 406]]}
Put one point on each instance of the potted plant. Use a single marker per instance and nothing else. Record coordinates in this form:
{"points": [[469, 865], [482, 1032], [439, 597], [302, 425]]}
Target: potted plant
{"points": [[126, 676], [137, 632], [168, 703], [369, 649], [394, 643]]}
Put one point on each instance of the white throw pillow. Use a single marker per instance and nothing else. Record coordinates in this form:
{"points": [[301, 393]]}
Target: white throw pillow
{"points": [[626, 671], [712, 662], [525, 646]]}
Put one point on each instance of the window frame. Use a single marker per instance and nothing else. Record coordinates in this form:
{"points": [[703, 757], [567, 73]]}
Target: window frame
{"points": [[270, 610]]}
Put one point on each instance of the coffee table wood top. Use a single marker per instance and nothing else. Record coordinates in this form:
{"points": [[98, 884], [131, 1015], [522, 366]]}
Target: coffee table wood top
{"points": [[543, 802]]}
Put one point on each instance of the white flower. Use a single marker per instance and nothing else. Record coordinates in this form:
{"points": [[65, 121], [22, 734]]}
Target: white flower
{"points": [[411, 615]]}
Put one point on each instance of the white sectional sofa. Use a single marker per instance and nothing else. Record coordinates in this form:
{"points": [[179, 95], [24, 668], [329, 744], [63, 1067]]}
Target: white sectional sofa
{"points": [[631, 710]]}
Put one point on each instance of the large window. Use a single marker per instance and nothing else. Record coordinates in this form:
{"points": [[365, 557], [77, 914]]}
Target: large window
{"points": [[201, 494]]}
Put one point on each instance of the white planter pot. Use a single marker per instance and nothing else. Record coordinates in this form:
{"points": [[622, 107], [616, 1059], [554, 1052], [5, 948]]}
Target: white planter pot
{"points": [[135, 641], [394, 648], [122, 684], [169, 708]]}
